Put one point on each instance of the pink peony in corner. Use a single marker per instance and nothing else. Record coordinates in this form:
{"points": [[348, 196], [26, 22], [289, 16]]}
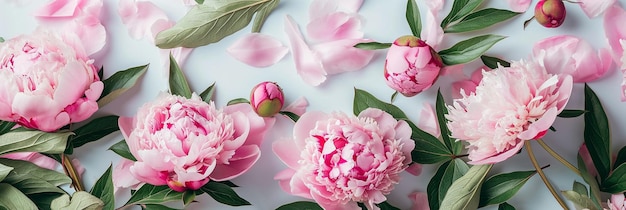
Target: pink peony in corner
{"points": [[185, 143], [615, 31], [510, 105], [617, 202], [47, 81], [339, 160], [565, 54]]}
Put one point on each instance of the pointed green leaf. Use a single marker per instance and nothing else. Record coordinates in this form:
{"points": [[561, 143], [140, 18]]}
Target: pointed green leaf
{"points": [[95, 130], [300, 205], [103, 189], [465, 191], [207, 95], [460, 9], [4, 171], [468, 50], [581, 201], [505, 206], [454, 146], [291, 115], [493, 62], [200, 1], [121, 148], [580, 188], [80, 200], [616, 181], [597, 134], [439, 184], [594, 188], [364, 100], [209, 23], [33, 141], [228, 183], [156, 207], [31, 179], [260, 17], [502, 187], [224, 194], [372, 45], [480, 20], [569, 113], [150, 194], [621, 157], [413, 18], [119, 83], [12, 198], [1, 39], [5, 126], [188, 197], [386, 206], [178, 82], [238, 101], [101, 72], [44, 200]]}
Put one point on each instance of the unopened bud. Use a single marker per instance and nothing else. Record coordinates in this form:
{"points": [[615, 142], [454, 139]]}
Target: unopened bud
{"points": [[267, 99], [550, 13]]}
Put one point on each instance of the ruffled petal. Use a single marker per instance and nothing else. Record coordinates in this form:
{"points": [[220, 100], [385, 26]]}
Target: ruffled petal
{"points": [[308, 65], [241, 162], [258, 50]]}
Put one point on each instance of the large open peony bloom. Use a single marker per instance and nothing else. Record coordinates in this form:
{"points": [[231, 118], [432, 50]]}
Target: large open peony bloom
{"points": [[46, 81], [339, 160], [510, 105], [184, 143]]}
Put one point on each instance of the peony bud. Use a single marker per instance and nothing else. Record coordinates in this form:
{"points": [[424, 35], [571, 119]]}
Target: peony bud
{"points": [[267, 99], [550, 13], [411, 65]]}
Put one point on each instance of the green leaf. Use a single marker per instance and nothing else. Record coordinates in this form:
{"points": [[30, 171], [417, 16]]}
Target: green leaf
{"points": [[569, 113], [580, 188], [205, 24], [101, 72], [465, 191], [238, 101], [480, 20], [178, 82], [460, 8], [228, 183], [200, 1], [80, 200], [594, 188], [31, 179], [150, 194], [455, 147], [1, 39], [468, 50], [492, 62], [621, 157], [502, 187], [505, 206], [439, 184], [300, 205], [597, 134], [4, 171], [103, 189], [5, 126], [12, 198], [372, 45], [207, 95], [44, 200], [121, 148], [616, 181], [119, 83], [291, 115], [157, 207], [33, 141], [224, 194], [413, 18], [188, 197], [581, 201], [95, 130], [386, 206], [364, 100], [260, 17]]}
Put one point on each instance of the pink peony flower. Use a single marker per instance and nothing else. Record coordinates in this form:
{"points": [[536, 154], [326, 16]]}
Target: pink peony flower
{"points": [[550, 13], [339, 160], [267, 99], [412, 66], [571, 55], [468, 86], [47, 81], [184, 143], [616, 34], [617, 202], [510, 105]]}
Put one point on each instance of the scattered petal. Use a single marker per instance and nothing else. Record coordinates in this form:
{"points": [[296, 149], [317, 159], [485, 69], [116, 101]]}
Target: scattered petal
{"points": [[341, 55], [420, 201], [308, 66], [520, 5], [335, 26], [432, 33], [298, 106], [428, 120], [139, 17], [593, 8], [258, 50]]}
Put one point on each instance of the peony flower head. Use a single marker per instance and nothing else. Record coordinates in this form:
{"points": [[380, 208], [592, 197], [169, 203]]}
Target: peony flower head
{"points": [[339, 160], [47, 81], [267, 99], [412, 66], [550, 13], [184, 143], [510, 105]]}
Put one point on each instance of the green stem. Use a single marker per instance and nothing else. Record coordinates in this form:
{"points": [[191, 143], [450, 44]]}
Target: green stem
{"points": [[531, 155], [72, 173], [558, 157]]}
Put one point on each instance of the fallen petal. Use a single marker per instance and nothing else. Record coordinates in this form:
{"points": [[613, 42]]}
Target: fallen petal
{"points": [[335, 26], [258, 50], [341, 55], [519, 5], [308, 65], [593, 8]]}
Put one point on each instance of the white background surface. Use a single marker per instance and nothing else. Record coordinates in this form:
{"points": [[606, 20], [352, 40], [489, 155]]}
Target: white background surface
{"points": [[384, 21]]}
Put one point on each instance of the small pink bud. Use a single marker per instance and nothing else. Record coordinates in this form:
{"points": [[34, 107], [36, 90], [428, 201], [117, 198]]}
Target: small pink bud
{"points": [[412, 66], [550, 13], [267, 99]]}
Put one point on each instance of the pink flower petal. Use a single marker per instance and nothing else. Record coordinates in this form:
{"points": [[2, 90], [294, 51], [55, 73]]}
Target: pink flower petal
{"points": [[499, 157], [298, 106], [335, 26], [122, 178], [432, 33], [341, 55], [615, 31], [258, 50], [428, 120], [519, 5], [308, 66], [139, 17], [320, 8], [419, 200], [286, 152], [435, 5], [241, 162], [58, 8], [414, 169], [593, 8], [540, 125], [33, 157], [586, 157]]}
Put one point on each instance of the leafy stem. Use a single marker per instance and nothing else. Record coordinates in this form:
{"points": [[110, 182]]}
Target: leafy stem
{"points": [[545, 180], [70, 170], [558, 157]]}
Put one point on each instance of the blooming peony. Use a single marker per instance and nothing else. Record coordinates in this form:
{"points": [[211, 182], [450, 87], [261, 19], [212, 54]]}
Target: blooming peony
{"points": [[339, 160], [47, 81], [184, 143], [510, 105], [617, 202]]}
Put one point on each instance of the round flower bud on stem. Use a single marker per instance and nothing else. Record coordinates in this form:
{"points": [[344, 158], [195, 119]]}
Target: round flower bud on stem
{"points": [[550, 13], [267, 99]]}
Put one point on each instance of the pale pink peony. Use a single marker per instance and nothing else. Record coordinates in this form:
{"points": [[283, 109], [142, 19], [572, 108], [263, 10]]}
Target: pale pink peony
{"points": [[615, 31], [184, 143], [565, 54], [47, 81], [339, 160], [510, 105], [617, 202], [412, 66]]}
